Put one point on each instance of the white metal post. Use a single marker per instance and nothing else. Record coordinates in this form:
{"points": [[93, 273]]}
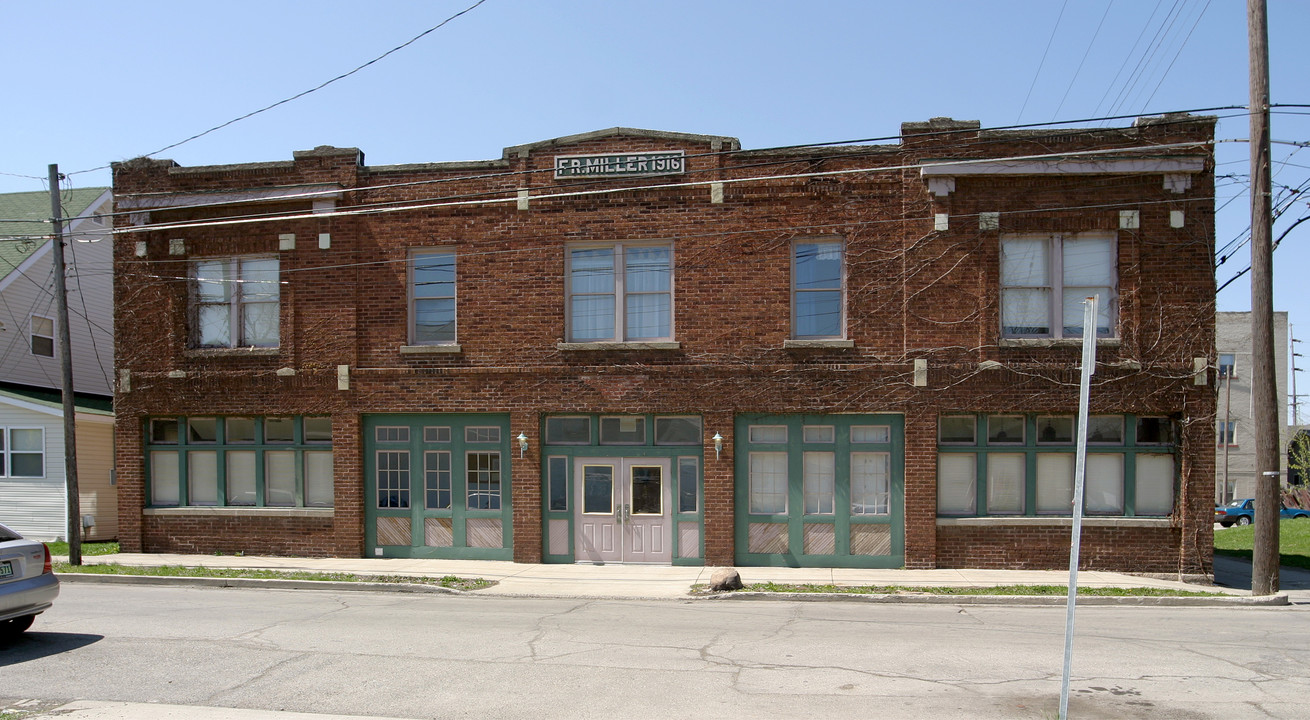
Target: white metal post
{"points": [[1079, 470]]}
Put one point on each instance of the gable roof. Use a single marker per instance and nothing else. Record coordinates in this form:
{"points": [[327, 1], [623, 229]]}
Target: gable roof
{"points": [[19, 240]]}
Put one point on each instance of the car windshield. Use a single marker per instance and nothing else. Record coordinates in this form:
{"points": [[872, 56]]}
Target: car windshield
{"points": [[1236, 503], [6, 534]]}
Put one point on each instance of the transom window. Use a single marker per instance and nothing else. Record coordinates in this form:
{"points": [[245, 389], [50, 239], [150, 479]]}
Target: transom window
{"points": [[1044, 280], [817, 290], [235, 302], [432, 298], [620, 292]]}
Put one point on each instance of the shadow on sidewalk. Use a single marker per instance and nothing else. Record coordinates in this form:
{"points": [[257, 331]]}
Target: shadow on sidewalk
{"points": [[1235, 572]]}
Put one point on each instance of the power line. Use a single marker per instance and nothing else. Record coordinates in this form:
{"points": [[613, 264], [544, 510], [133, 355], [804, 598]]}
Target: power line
{"points": [[299, 95], [1037, 74]]}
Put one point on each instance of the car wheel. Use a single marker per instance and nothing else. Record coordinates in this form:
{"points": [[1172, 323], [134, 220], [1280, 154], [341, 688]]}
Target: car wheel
{"points": [[1244, 520], [13, 628]]}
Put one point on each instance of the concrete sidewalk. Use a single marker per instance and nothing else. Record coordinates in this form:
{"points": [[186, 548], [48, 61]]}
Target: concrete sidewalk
{"points": [[641, 581]]}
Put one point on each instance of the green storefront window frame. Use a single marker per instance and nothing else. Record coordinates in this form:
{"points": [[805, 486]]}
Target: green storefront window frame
{"points": [[1031, 448], [183, 447], [648, 449], [842, 518]]}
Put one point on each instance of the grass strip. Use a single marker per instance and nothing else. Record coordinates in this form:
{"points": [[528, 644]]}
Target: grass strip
{"points": [[449, 581], [1024, 590], [59, 547], [1293, 542]]}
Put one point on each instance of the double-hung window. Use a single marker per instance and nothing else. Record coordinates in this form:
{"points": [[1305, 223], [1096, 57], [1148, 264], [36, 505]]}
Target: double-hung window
{"points": [[1045, 278], [432, 298], [42, 331], [22, 452], [620, 293], [818, 292], [235, 302]]}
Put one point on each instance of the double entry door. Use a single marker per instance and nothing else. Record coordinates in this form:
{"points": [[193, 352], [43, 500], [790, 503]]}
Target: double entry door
{"points": [[623, 510]]}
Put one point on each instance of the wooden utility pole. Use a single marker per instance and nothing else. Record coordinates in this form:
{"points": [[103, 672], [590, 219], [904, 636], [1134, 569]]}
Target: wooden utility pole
{"points": [[66, 377], [1264, 393]]}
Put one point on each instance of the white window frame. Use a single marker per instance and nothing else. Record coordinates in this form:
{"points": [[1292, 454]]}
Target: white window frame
{"points": [[235, 300], [1055, 283], [620, 293], [7, 452], [33, 335], [1226, 435], [414, 256], [1231, 366], [797, 292]]}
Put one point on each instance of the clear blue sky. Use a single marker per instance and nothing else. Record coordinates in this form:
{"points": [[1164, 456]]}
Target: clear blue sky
{"points": [[92, 82]]}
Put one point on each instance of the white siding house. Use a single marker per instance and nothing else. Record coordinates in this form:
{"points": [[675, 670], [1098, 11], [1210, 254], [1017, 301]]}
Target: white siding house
{"points": [[32, 479]]}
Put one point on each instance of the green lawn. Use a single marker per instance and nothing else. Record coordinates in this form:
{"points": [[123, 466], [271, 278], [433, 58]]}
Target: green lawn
{"points": [[1293, 542], [449, 581], [60, 547]]}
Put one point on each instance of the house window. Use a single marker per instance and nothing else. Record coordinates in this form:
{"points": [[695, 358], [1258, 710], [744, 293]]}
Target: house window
{"points": [[817, 290], [620, 293], [432, 298], [248, 461], [235, 302], [1045, 279], [43, 336], [22, 452], [1227, 365], [1029, 469], [1227, 432]]}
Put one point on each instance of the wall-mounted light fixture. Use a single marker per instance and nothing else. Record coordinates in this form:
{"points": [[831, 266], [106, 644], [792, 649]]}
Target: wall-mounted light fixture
{"points": [[718, 445], [523, 444]]}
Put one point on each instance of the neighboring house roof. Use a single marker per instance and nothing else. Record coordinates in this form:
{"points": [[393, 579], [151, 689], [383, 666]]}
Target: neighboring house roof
{"points": [[87, 408], [34, 207]]}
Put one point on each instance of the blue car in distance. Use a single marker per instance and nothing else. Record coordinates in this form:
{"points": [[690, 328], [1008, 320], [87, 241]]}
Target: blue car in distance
{"points": [[1242, 512]]}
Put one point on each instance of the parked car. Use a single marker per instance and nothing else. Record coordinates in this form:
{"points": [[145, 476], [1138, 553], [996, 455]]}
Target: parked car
{"points": [[28, 585], [1242, 512]]}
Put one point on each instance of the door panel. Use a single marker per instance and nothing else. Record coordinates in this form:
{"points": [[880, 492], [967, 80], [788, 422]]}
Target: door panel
{"points": [[624, 511]]}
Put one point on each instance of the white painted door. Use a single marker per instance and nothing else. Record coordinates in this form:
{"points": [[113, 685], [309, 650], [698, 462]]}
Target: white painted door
{"points": [[624, 510]]}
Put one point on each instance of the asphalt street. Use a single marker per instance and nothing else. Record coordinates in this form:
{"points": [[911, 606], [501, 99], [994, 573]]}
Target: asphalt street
{"points": [[441, 656]]}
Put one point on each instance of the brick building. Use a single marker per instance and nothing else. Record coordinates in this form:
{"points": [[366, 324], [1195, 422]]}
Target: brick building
{"points": [[640, 346]]}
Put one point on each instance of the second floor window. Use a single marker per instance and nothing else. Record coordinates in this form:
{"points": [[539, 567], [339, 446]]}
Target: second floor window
{"points": [[620, 293], [817, 297], [235, 302], [1044, 280], [432, 298], [43, 336], [1227, 365]]}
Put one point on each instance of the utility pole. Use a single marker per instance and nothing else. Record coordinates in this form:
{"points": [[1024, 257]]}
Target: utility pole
{"points": [[66, 379], [1264, 393]]}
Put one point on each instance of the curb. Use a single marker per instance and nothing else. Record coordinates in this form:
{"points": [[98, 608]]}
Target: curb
{"points": [[257, 583], [1278, 600]]}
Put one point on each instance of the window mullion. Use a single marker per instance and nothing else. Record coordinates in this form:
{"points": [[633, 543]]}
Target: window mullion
{"points": [[1057, 285], [620, 294]]}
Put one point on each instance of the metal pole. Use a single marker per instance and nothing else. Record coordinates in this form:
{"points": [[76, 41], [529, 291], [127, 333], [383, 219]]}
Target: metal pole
{"points": [[66, 376], [1079, 470], [1225, 495], [1264, 392]]}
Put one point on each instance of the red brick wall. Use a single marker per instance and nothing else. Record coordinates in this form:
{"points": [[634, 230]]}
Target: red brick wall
{"points": [[912, 293]]}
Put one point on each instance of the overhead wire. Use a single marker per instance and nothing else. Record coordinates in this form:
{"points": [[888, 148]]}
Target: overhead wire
{"points": [[299, 95], [1042, 63]]}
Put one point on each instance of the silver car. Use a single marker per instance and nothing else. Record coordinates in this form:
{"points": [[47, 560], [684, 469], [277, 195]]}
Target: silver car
{"points": [[28, 586]]}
